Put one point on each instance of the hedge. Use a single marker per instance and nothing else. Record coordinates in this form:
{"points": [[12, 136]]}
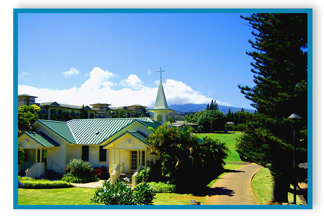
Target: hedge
{"points": [[44, 184]]}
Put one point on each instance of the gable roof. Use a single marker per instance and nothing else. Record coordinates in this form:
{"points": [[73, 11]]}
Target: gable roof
{"points": [[42, 139], [137, 134], [58, 127], [93, 131]]}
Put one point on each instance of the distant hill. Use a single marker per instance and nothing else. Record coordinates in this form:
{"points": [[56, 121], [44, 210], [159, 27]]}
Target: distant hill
{"points": [[188, 108]]}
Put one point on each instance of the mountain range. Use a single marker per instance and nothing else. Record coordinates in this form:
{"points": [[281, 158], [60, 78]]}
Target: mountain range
{"points": [[190, 108]]}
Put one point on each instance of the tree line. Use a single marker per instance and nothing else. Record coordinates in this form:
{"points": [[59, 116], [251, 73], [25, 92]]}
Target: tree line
{"points": [[211, 119]]}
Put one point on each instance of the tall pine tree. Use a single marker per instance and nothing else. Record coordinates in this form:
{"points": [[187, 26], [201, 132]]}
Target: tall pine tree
{"points": [[280, 68]]}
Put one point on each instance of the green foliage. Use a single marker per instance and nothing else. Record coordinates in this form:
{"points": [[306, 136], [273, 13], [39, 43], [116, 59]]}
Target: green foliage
{"points": [[83, 113], [26, 117], [65, 116], [143, 175], [161, 187], [72, 115], [120, 194], [210, 120], [280, 68], [143, 194], [213, 105], [42, 183], [101, 172], [185, 161], [21, 154], [79, 171]]}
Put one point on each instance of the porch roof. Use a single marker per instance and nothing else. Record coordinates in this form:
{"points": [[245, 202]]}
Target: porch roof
{"points": [[137, 134], [42, 139]]}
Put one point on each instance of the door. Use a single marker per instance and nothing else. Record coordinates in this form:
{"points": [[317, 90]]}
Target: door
{"points": [[137, 159]]}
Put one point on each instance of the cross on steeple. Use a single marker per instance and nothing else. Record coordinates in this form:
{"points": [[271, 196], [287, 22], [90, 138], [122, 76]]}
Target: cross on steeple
{"points": [[161, 71]]}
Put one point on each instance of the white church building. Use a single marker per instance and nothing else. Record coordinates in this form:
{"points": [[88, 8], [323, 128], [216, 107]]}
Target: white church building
{"points": [[117, 143]]}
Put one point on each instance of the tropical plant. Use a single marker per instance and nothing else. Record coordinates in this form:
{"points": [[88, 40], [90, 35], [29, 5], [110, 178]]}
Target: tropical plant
{"points": [[182, 154], [27, 115], [119, 194]]}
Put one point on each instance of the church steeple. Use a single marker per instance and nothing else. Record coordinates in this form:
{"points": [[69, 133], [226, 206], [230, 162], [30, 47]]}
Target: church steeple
{"points": [[161, 102], [161, 110]]}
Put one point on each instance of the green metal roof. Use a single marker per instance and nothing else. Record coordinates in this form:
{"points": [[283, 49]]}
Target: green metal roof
{"points": [[94, 131], [42, 139], [59, 127]]}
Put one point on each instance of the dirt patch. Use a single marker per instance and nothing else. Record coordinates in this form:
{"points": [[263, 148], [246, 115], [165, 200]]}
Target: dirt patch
{"points": [[197, 198]]}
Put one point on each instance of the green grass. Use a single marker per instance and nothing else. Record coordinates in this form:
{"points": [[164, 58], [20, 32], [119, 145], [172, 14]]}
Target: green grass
{"points": [[230, 139], [176, 199], [291, 197], [82, 196], [62, 196], [262, 185]]}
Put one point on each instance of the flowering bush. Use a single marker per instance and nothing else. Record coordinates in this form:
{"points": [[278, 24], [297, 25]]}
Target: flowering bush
{"points": [[79, 171], [101, 172], [119, 194]]}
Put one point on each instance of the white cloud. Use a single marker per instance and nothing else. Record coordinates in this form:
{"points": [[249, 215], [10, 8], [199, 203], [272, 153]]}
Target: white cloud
{"points": [[149, 72], [23, 74], [71, 72], [132, 82], [99, 88]]}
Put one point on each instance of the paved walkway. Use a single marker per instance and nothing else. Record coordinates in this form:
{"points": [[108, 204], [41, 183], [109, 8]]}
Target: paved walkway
{"points": [[96, 184], [234, 188]]}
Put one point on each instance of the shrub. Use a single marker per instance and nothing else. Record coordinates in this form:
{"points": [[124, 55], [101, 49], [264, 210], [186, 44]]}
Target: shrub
{"points": [[21, 155], [143, 194], [26, 178], [143, 175], [120, 194], [76, 179], [79, 171], [161, 187], [101, 172], [42, 183]]}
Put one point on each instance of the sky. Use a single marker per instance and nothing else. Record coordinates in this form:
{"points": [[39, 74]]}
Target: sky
{"points": [[86, 58]]}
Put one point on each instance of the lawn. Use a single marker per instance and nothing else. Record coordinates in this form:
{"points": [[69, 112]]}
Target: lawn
{"points": [[176, 199], [230, 139], [81, 196], [262, 185], [61, 196]]}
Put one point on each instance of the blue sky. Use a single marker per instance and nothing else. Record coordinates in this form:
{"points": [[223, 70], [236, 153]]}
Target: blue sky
{"points": [[113, 58]]}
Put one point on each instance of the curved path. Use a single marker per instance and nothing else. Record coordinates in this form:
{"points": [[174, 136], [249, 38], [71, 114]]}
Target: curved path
{"points": [[234, 188]]}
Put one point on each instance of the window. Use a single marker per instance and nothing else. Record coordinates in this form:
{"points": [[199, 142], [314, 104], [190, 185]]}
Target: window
{"points": [[102, 154], [137, 159], [85, 153], [38, 155], [143, 158], [159, 118]]}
